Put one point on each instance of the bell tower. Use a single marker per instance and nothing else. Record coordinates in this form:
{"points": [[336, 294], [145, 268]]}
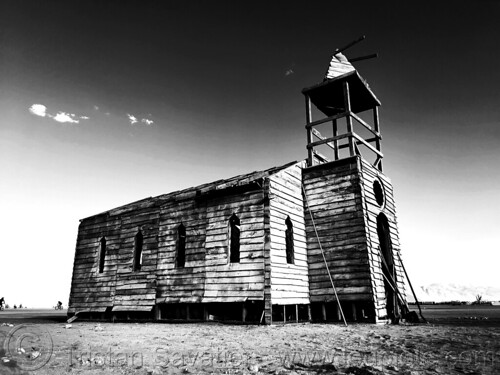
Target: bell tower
{"points": [[342, 96], [353, 248]]}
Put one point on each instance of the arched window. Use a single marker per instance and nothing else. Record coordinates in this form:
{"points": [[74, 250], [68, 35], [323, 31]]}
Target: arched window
{"points": [[138, 251], [290, 257], [102, 254], [181, 246], [234, 239]]}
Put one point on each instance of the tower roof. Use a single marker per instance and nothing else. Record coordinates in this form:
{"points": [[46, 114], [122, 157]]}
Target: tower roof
{"points": [[328, 96]]}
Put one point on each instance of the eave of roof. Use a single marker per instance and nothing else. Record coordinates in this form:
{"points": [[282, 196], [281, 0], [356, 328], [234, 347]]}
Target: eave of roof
{"points": [[328, 96], [196, 191]]}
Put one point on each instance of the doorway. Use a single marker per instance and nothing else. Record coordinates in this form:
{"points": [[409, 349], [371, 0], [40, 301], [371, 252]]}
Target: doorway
{"points": [[388, 268]]}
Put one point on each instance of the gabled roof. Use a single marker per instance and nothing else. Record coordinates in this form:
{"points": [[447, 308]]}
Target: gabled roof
{"points": [[198, 191]]}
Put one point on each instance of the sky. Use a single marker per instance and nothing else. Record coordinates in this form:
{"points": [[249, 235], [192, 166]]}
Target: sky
{"points": [[103, 103]]}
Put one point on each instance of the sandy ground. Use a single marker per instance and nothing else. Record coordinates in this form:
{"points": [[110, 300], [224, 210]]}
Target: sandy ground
{"points": [[455, 342]]}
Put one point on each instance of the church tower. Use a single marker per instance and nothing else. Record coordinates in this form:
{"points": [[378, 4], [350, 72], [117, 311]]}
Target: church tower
{"points": [[352, 234]]}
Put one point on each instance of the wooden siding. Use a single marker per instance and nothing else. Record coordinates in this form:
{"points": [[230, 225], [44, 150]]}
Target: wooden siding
{"points": [[137, 288], [116, 285], [340, 196], [369, 175], [334, 196], [184, 284], [207, 275], [289, 283]]}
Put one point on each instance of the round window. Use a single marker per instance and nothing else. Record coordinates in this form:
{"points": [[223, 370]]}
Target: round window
{"points": [[378, 190]]}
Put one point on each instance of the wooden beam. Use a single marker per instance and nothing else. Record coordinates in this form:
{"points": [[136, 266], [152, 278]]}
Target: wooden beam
{"points": [[336, 142], [358, 143], [327, 119], [327, 140], [309, 132], [318, 135], [356, 149], [362, 122], [376, 125], [339, 313], [360, 139], [347, 101], [322, 158]]}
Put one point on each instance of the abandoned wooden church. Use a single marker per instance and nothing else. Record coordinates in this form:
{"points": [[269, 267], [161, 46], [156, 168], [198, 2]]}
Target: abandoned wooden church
{"points": [[310, 240]]}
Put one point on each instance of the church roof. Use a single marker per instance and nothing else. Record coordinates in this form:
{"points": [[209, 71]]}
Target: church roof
{"points": [[201, 191]]}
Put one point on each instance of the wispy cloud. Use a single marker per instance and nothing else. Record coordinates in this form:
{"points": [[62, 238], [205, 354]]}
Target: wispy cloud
{"points": [[60, 116], [132, 119], [96, 108], [38, 110], [147, 121], [288, 72]]}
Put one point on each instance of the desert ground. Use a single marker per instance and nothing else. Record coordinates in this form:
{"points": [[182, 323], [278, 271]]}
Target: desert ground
{"points": [[456, 340]]}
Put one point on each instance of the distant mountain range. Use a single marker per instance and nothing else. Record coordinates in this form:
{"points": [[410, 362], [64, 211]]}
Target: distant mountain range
{"points": [[453, 292]]}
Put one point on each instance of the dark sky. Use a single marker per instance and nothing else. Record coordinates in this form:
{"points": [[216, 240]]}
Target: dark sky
{"points": [[215, 88]]}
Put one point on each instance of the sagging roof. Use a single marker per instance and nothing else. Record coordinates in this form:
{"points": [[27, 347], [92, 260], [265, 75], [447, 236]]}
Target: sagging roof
{"points": [[200, 191]]}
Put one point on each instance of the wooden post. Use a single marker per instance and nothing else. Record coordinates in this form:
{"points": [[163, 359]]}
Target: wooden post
{"points": [[339, 313], [243, 312], [336, 142], [354, 312], [376, 126], [296, 313], [347, 102], [157, 312], [309, 131], [284, 313], [323, 311], [205, 312], [309, 314]]}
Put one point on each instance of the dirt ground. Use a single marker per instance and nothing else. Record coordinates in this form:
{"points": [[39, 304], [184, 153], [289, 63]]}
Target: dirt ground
{"points": [[456, 342]]}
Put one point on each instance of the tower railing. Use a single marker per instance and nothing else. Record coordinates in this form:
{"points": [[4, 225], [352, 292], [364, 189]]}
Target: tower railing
{"points": [[349, 139]]}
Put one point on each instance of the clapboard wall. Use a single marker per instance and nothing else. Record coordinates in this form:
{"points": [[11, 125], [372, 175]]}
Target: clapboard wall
{"points": [[135, 290], [208, 276], [187, 284], [335, 199], [117, 286], [368, 176], [289, 283], [339, 195]]}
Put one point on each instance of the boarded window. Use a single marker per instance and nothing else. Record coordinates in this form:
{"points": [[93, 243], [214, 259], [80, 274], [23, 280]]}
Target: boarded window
{"points": [[290, 256], [181, 246], [102, 254], [138, 251], [234, 239]]}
